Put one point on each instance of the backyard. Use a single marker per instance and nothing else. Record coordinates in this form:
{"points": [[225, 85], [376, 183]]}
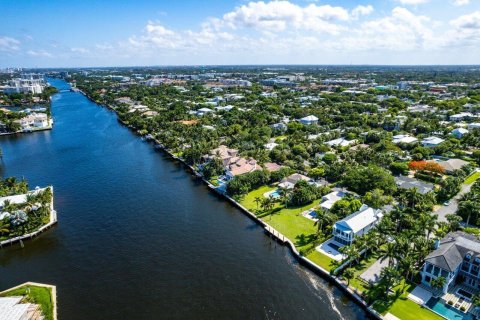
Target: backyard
{"points": [[289, 222], [404, 308], [37, 295]]}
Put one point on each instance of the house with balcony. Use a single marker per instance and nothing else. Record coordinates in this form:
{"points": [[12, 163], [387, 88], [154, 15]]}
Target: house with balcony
{"points": [[457, 259], [356, 224]]}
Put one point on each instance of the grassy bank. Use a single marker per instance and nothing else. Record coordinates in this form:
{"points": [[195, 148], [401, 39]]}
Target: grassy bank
{"points": [[37, 295]]}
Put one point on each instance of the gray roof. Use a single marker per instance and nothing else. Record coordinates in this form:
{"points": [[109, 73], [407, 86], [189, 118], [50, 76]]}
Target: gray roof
{"points": [[453, 249], [453, 164], [409, 183]]}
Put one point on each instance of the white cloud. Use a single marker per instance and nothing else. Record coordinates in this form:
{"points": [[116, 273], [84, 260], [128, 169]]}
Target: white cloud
{"points": [[80, 50], [276, 31], [8, 44], [465, 32], [460, 2], [413, 2], [401, 31], [361, 10], [278, 16], [39, 53], [156, 35]]}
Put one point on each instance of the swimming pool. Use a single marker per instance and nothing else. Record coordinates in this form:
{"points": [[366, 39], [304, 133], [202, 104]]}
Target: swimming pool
{"points": [[275, 194], [446, 310]]}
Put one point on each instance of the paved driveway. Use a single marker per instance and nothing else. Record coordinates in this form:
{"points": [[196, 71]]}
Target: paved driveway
{"points": [[453, 206]]}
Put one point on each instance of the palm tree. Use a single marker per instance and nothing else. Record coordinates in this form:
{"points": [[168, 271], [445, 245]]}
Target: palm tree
{"points": [[267, 204], [348, 274], [389, 252], [407, 264], [352, 252], [467, 208], [388, 278], [285, 194], [476, 300], [413, 196], [427, 223], [4, 226], [257, 200], [324, 217], [438, 282], [421, 247], [453, 222]]}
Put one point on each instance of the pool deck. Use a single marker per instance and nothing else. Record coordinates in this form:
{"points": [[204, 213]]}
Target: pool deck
{"points": [[327, 250]]}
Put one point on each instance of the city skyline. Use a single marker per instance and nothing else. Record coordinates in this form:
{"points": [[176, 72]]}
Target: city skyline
{"points": [[397, 32]]}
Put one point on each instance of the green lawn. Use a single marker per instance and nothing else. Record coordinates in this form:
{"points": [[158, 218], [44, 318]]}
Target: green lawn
{"points": [[248, 201], [360, 268], [322, 260], [404, 308], [37, 295], [472, 178], [289, 222]]}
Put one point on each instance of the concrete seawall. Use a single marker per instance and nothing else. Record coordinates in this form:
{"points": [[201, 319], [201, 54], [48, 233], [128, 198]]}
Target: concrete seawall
{"points": [[268, 229], [52, 222]]}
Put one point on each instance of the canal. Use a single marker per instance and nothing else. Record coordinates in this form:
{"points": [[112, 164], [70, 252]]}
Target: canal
{"points": [[139, 238]]}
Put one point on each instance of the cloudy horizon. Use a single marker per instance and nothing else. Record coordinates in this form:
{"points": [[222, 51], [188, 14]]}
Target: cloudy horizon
{"points": [[394, 32]]}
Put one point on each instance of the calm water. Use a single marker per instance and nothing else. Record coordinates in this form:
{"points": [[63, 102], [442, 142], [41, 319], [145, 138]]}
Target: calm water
{"points": [[138, 238]]}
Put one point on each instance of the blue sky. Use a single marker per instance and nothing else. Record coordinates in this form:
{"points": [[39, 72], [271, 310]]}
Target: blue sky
{"points": [[187, 32]]}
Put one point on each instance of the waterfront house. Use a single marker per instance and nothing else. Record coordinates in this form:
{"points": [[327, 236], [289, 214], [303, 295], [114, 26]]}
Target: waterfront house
{"points": [[356, 224], [457, 259], [432, 142], [15, 308], [234, 164], [224, 153], [34, 121], [239, 165], [309, 120], [290, 181]]}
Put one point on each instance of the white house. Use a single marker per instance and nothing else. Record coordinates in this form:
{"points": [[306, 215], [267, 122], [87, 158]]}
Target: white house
{"points": [[203, 111], [460, 116], [34, 121], [356, 224], [309, 120], [270, 145], [404, 138], [432, 142], [459, 132], [329, 200], [474, 125], [341, 142]]}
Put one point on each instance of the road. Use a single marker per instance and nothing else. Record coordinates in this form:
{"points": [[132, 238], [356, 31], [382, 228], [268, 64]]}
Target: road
{"points": [[453, 206]]}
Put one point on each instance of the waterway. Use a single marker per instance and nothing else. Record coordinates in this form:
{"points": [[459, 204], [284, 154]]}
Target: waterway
{"points": [[139, 238]]}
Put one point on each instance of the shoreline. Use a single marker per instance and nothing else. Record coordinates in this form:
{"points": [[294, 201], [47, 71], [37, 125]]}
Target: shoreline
{"points": [[36, 284], [277, 236], [53, 221], [50, 127]]}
